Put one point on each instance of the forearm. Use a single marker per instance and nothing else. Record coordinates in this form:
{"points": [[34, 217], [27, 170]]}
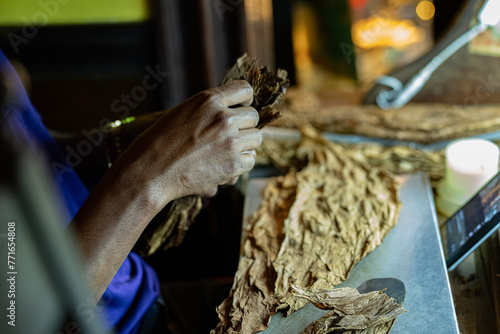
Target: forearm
{"points": [[206, 145], [110, 222]]}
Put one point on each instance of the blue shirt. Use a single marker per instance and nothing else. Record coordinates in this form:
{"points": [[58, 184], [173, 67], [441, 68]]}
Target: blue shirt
{"points": [[135, 286]]}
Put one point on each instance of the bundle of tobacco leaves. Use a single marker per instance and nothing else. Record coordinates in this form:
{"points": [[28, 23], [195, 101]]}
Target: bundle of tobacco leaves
{"points": [[313, 226], [169, 227], [267, 87]]}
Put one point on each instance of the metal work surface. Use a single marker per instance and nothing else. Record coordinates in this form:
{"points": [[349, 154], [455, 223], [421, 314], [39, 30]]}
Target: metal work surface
{"points": [[411, 252]]}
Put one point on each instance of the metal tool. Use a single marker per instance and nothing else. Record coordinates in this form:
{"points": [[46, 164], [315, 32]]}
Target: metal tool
{"points": [[400, 94]]}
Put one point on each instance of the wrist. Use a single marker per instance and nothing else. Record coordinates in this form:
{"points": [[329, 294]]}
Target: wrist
{"points": [[114, 143], [132, 172]]}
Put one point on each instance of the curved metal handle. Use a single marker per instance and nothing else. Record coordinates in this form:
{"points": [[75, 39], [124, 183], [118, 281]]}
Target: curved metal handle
{"points": [[396, 99]]}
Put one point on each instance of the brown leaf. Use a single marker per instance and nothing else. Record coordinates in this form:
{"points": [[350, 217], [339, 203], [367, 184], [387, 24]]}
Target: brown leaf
{"points": [[268, 88], [313, 225], [372, 312]]}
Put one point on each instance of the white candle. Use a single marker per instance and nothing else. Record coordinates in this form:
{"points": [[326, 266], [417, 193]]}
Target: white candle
{"points": [[469, 164]]}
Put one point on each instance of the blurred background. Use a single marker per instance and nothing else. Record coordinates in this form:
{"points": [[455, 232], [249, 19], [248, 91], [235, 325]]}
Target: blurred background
{"points": [[80, 56]]}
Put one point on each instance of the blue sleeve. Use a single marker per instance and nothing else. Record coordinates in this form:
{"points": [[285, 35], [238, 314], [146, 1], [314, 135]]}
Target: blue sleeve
{"points": [[135, 286], [24, 120]]}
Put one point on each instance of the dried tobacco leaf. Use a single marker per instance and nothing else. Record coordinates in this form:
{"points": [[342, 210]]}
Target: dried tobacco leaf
{"points": [[268, 88], [394, 159], [351, 310], [170, 225], [313, 226], [324, 326], [252, 302], [415, 122], [343, 210]]}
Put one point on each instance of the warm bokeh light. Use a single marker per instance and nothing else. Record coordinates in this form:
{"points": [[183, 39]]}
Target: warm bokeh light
{"points": [[356, 4], [258, 10], [426, 10], [380, 32], [302, 49]]}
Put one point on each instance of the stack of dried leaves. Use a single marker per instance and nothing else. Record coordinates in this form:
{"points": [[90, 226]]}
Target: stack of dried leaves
{"points": [[312, 227], [368, 313], [170, 226], [395, 159], [415, 122]]}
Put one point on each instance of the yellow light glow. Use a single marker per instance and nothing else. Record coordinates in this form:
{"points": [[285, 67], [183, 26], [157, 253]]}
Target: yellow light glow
{"points": [[258, 10], [301, 46], [380, 32], [426, 10]]}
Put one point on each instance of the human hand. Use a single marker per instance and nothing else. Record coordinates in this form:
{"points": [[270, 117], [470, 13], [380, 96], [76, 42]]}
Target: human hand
{"points": [[213, 191], [200, 144]]}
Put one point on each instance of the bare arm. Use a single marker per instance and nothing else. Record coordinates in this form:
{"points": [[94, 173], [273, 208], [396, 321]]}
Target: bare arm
{"points": [[195, 147]]}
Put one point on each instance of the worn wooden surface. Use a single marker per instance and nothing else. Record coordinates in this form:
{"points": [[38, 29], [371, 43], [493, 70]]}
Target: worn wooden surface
{"points": [[494, 274], [475, 287]]}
